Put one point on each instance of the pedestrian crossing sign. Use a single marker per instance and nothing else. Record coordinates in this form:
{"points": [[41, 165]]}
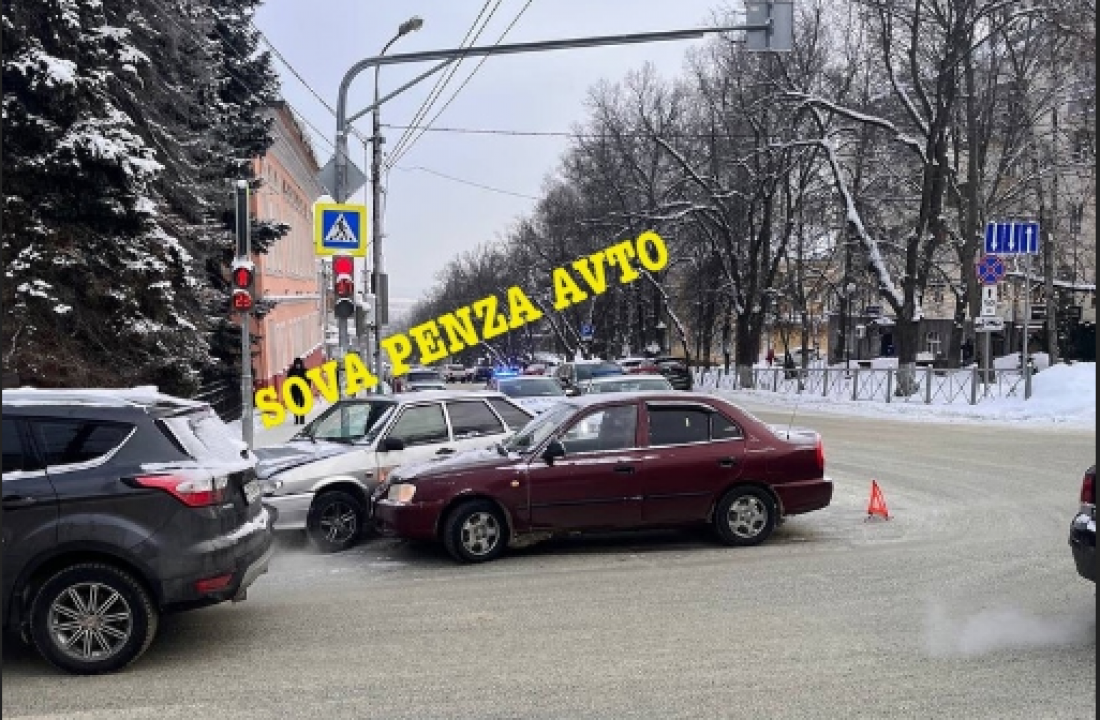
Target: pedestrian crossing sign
{"points": [[340, 229]]}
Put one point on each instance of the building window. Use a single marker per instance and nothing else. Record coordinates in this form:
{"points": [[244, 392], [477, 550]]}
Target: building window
{"points": [[933, 343]]}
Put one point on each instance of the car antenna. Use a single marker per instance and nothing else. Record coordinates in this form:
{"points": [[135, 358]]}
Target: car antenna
{"points": [[790, 423]]}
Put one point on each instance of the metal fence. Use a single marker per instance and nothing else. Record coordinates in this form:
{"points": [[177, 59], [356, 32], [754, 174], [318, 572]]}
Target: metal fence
{"points": [[929, 385], [224, 397]]}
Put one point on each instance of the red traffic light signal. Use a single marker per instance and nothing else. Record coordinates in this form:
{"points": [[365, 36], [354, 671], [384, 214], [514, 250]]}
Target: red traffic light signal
{"points": [[243, 274], [343, 272]]}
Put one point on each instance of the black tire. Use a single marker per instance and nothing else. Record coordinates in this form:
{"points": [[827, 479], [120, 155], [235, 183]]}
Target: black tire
{"points": [[109, 641], [745, 516], [335, 521], [475, 531]]}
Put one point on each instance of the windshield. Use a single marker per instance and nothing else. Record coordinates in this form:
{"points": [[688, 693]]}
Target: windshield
{"points": [[631, 385], [531, 387], [536, 431], [425, 377], [376, 428], [346, 421]]}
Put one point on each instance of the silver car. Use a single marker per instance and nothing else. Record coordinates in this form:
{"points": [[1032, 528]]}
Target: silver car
{"points": [[321, 480]]}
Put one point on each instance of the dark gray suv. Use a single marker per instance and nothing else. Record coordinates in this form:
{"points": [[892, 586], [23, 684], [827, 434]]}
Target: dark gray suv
{"points": [[118, 506]]}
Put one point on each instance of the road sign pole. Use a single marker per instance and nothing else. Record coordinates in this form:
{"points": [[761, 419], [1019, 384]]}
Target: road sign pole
{"points": [[986, 361], [1025, 355]]}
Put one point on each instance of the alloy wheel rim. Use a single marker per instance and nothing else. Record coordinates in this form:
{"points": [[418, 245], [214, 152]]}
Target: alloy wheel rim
{"points": [[747, 517], [90, 621], [480, 533], [338, 522]]}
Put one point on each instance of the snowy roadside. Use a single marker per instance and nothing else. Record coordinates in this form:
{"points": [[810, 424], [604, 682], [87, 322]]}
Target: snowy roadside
{"points": [[1063, 396]]}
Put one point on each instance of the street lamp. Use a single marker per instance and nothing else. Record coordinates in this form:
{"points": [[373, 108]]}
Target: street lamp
{"points": [[411, 25], [850, 291]]}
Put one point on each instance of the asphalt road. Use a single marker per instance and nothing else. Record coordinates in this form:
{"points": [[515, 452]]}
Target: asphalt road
{"points": [[965, 604]]}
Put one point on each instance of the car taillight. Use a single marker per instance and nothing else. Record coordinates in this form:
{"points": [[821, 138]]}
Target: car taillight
{"points": [[821, 455], [192, 490], [1088, 489]]}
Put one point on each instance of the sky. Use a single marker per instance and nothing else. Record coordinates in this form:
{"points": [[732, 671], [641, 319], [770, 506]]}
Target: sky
{"points": [[429, 218]]}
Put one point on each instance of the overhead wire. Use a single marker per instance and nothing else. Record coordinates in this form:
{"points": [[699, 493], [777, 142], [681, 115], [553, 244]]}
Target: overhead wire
{"points": [[444, 80], [398, 153], [466, 182]]}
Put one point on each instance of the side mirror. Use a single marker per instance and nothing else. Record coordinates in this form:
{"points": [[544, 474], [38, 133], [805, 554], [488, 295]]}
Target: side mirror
{"points": [[554, 449], [392, 444]]}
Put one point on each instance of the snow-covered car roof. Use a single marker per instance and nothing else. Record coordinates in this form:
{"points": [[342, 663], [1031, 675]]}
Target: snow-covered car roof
{"points": [[143, 396]]}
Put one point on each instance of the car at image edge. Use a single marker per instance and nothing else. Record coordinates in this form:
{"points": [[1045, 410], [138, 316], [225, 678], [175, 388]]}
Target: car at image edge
{"points": [[121, 506], [1082, 531]]}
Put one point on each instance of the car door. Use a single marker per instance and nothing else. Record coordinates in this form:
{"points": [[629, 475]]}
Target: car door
{"points": [[474, 424], [29, 502], [595, 486], [423, 430], [693, 453]]}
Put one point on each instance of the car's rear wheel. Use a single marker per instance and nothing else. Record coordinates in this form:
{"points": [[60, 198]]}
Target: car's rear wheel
{"points": [[475, 531], [92, 618], [335, 521], [745, 516]]}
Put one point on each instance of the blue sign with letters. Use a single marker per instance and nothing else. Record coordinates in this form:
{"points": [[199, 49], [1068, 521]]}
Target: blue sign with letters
{"points": [[587, 331], [1012, 238]]}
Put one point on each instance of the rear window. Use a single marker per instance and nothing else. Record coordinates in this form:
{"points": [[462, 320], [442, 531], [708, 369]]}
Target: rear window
{"points": [[66, 442], [206, 438], [424, 377]]}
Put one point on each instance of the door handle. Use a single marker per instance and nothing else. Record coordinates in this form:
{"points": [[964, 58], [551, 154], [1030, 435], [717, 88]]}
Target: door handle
{"points": [[727, 462], [14, 501], [624, 469], [445, 451]]}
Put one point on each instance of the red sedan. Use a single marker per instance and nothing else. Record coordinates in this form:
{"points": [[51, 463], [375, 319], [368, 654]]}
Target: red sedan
{"points": [[611, 462]]}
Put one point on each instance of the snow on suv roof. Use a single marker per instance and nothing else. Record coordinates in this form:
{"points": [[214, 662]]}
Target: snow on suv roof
{"points": [[144, 396]]}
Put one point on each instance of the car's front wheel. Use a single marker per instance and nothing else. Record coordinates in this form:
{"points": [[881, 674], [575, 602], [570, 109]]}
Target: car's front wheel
{"points": [[475, 531], [92, 618], [335, 521], [745, 516]]}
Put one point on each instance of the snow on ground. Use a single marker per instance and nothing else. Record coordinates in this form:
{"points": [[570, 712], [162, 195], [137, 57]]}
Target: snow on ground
{"points": [[1062, 396]]}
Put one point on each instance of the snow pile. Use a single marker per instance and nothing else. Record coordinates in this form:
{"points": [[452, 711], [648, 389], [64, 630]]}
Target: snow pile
{"points": [[1061, 396]]}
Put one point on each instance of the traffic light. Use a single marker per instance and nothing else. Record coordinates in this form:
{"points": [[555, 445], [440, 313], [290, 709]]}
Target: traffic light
{"points": [[244, 273], [343, 270]]}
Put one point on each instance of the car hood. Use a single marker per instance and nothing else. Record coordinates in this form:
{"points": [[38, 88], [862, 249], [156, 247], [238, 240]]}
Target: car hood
{"points": [[537, 404], [460, 463], [277, 458]]}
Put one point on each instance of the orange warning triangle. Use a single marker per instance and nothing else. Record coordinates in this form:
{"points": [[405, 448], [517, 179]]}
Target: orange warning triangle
{"points": [[877, 505]]}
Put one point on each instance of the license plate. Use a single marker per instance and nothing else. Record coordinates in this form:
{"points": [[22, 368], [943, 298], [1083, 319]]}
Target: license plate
{"points": [[251, 492]]}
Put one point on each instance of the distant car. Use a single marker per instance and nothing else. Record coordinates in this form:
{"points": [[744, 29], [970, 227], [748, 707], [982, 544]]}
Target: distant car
{"points": [[535, 369], [625, 383], [482, 373], [1082, 531], [532, 392], [121, 506], [456, 373], [675, 369], [610, 463], [423, 379], [572, 374], [321, 480]]}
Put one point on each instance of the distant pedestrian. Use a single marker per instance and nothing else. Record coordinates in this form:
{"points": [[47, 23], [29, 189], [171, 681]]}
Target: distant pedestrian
{"points": [[298, 370], [771, 356]]}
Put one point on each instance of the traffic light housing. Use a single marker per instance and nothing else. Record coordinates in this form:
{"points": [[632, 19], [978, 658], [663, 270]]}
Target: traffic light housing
{"points": [[243, 275], [343, 273]]}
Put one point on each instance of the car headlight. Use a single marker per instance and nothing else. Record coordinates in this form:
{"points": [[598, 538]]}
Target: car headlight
{"points": [[401, 493]]}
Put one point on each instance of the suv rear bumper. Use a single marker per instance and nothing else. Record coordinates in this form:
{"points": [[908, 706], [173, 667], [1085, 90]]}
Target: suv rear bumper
{"points": [[1082, 542], [244, 554]]}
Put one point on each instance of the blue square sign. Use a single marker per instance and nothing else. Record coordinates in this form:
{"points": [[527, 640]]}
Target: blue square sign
{"points": [[1012, 238], [340, 229]]}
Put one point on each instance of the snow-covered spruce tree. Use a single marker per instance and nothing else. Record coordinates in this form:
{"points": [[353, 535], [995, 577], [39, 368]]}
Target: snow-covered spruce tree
{"points": [[244, 84], [96, 285]]}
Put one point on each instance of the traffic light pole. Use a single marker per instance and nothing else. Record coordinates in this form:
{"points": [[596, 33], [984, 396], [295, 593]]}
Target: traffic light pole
{"points": [[244, 253], [772, 32]]}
